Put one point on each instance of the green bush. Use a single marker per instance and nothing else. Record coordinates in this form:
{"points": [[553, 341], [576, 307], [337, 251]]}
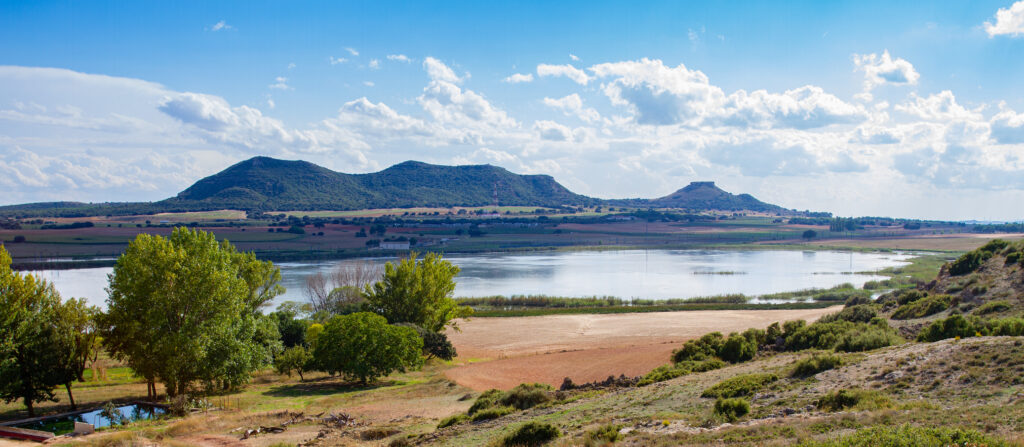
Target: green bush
{"points": [[861, 313], [992, 307], [968, 262], [742, 385], [923, 307], [1014, 258], [732, 409], [815, 364], [855, 398], [700, 349], [484, 401], [843, 336], [605, 434], [532, 434], [454, 419], [954, 326], [492, 413], [909, 436], [666, 372], [527, 395], [871, 337], [738, 348]]}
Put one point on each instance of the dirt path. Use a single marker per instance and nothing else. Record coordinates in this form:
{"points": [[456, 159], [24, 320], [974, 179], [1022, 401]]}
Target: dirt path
{"points": [[508, 351]]}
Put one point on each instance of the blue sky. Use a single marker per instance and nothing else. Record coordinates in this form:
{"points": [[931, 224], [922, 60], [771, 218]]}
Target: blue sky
{"points": [[860, 108]]}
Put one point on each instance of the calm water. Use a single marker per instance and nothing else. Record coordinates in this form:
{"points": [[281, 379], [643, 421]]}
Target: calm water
{"points": [[128, 413], [650, 274]]}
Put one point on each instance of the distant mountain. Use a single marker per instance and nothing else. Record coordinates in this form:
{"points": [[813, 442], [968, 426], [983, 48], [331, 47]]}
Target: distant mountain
{"points": [[705, 195], [269, 184]]}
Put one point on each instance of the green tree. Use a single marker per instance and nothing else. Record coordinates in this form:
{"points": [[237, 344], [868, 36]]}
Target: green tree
{"points": [[186, 308], [31, 351], [417, 291], [78, 337], [363, 346], [292, 359]]}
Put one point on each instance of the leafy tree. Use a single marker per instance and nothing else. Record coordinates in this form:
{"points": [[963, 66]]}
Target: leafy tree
{"points": [[31, 353], [810, 234], [292, 330], [78, 337], [292, 359], [363, 346], [186, 308], [417, 291], [435, 344]]}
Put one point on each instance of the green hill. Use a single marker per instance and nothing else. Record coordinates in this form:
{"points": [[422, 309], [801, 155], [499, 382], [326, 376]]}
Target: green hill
{"points": [[269, 184], [706, 196]]}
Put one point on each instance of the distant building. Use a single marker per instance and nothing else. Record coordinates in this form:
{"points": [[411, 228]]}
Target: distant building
{"points": [[394, 245]]}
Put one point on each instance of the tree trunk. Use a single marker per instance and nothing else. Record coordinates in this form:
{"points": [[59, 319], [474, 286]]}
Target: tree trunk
{"points": [[301, 379], [71, 397], [31, 409]]}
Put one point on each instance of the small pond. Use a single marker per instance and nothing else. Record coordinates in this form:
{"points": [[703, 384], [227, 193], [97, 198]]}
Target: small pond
{"points": [[60, 425]]}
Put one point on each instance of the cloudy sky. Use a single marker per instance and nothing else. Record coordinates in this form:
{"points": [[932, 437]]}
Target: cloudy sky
{"points": [[910, 109]]}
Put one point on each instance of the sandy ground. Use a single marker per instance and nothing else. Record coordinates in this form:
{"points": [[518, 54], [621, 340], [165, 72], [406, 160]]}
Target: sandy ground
{"points": [[504, 352]]}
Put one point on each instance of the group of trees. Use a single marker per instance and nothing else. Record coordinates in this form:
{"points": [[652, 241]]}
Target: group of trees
{"points": [[44, 342], [186, 311]]}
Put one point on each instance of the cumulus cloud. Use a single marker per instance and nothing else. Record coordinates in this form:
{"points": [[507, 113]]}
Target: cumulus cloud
{"points": [[375, 64], [517, 78], [552, 131], [884, 69], [941, 106], [1009, 21], [575, 74], [438, 71], [574, 57], [572, 105], [662, 95], [399, 58], [1008, 126]]}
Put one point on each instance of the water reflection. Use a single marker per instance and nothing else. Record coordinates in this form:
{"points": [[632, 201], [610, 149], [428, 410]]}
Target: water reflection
{"points": [[649, 274]]}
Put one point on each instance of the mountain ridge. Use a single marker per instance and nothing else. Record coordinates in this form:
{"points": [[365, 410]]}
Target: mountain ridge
{"points": [[269, 184]]}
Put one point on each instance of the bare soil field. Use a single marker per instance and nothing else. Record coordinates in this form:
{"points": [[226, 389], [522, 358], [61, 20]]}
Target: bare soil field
{"points": [[940, 242], [504, 352]]}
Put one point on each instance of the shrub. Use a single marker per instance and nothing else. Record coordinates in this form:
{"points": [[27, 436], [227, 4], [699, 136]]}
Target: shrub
{"points": [[742, 385], [666, 372], [954, 326], [816, 364], [486, 400], [19, 239], [605, 434], [871, 337], [909, 296], [532, 434], [363, 346], [1014, 257], [738, 348], [527, 395], [909, 436], [855, 398], [732, 409], [859, 300], [454, 419], [992, 307], [435, 344], [700, 349], [861, 313], [968, 262], [994, 246], [492, 413], [923, 307]]}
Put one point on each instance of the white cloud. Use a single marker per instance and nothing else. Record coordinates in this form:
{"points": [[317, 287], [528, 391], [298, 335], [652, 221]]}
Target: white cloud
{"points": [[574, 57], [352, 51], [1008, 126], [399, 58], [291, 65], [1009, 21], [280, 83], [884, 69], [572, 105], [221, 25], [575, 74], [375, 64], [661, 95], [941, 106], [517, 78], [368, 83], [438, 71], [552, 131], [337, 60]]}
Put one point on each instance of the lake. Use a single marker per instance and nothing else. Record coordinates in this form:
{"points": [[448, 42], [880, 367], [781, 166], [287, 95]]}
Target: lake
{"points": [[648, 274]]}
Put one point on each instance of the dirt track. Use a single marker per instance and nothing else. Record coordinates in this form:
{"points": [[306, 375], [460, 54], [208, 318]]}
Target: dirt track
{"points": [[508, 351]]}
